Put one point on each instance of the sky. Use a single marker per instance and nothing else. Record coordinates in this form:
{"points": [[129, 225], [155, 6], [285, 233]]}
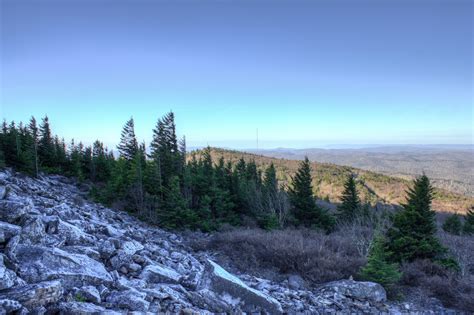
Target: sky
{"points": [[304, 73]]}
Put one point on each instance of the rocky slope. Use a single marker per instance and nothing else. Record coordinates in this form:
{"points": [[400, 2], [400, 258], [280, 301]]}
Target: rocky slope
{"points": [[62, 254]]}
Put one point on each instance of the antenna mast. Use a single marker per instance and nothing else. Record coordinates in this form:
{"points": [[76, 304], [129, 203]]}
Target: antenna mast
{"points": [[257, 138]]}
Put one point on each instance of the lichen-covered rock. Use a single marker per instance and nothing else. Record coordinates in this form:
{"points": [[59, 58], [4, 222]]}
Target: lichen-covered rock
{"points": [[7, 231], [362, 291], [81, 308], [9, 306], [236, 292], [131, 299], [38, 263], [160, 274], [7, 277], [3, 192], [12, 211], [34, 295], [88, 293]]}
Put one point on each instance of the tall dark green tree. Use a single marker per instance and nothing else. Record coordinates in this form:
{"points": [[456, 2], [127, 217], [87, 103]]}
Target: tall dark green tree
{"points": [[413, 234], [304, 208], [350, 206], [100, 163], [35, 137], [128, 146], [164, 149], [46, 145]]}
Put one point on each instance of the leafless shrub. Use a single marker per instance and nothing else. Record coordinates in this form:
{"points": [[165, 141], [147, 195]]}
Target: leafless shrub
{"points": [[462, 249], [451, 288], [315, 256]]}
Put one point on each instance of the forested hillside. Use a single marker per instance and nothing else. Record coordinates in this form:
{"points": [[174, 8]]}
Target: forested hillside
{"points": [[449, 167], [328, 181]]}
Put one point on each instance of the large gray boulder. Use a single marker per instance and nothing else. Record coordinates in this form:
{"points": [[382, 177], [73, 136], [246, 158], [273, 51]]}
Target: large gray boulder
{"points": [[7, 231], [3, 192], [9, 306], [160, 274], [12, 211], [7, 276], [34, 295], [357, 290], [37, 263], [124, 255], [236, 292], [88, 294], [131, 299], [81, 308], [73, 234]]}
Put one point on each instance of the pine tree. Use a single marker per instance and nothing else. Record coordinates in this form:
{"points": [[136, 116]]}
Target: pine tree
{"points": [[128, 146], [378, 269], [350, 205], [304, 208], [469, 222], [413, 234], [453, 225]]}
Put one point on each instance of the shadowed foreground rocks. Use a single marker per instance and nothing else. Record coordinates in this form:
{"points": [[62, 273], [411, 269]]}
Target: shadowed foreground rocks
{"points": [[62, 254]]}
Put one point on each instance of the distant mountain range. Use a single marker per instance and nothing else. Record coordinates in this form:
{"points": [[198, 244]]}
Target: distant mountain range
{"points": [[450, 167], [328, 180]]}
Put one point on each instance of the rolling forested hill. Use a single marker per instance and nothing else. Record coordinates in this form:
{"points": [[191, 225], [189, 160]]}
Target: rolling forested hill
{"points": [[449, 167], [328, 180]]}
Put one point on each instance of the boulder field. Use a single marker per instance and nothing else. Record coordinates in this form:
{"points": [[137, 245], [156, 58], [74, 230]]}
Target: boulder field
{"points": [[62, 254]]}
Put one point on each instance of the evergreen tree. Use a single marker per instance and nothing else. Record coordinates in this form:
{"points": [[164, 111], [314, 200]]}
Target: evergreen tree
{"points": [[136, 179], [175, 213], [46, 145], [35, 137], [304, 208], [100, 171], [164, 149], [75, 161], [350, 202], [469, 222], [378, 269], [453, 225], [412, 235], [128, 146]]}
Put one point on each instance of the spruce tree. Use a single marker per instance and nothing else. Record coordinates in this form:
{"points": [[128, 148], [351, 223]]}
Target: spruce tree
{"points": [[46, 144], [378, 269], [350, 205], [304, 208], [413, 234], [468, 228], [453, 225], [128, 146], [164, 149], [175, 213], [35, 136]]}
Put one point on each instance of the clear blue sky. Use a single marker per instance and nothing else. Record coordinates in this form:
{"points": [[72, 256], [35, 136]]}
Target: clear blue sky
{"points": [[304, 73]]}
